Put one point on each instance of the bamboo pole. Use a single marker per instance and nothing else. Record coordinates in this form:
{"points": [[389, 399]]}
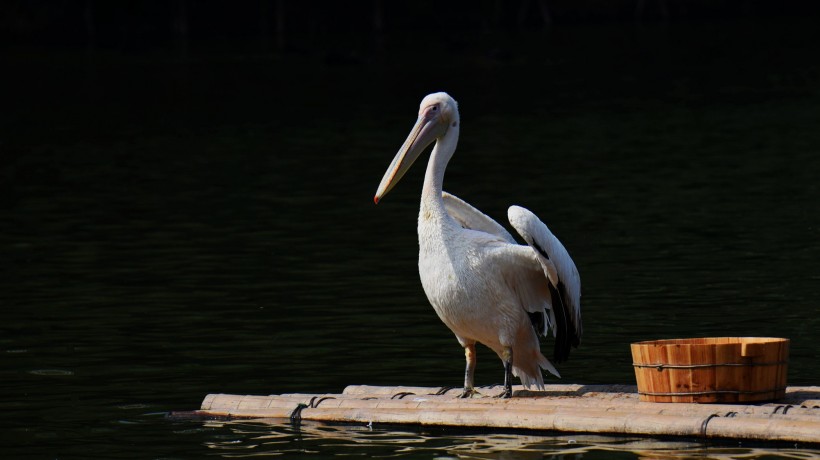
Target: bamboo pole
{"points": [[253, 405], [593, 412], [448, 402], [611, 395], [550, 390]]}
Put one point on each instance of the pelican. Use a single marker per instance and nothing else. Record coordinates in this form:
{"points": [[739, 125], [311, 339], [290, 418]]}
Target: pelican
{"points": [[484, 286]]}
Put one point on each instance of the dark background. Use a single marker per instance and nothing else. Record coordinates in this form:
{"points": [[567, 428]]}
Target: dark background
{"points": [[362, 32], [186, 198], [349, 28]]}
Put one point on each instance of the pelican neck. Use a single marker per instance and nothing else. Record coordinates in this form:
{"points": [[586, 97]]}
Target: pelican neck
{"points": [[434, 176]]}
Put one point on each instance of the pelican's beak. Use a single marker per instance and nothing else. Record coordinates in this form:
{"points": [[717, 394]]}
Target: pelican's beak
{"points": [[427, 129]]}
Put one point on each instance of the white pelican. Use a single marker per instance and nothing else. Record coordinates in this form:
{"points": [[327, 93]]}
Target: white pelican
{"points": [[482, 284]]}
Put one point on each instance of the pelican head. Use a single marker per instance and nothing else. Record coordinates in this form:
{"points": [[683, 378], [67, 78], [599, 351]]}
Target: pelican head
{"points": [[437, 113]]}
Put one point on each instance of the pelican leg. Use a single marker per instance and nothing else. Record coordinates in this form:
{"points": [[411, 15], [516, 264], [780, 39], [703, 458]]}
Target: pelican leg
{"points": [[469, 372], [506, 356]]}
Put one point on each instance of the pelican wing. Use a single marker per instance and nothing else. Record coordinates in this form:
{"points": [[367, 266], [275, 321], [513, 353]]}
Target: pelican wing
{"points": [[523, 270], [563, 280], [471, 218]]}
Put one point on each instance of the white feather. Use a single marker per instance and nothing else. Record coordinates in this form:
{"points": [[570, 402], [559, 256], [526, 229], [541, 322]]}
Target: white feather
{"points": [[559, 264]]}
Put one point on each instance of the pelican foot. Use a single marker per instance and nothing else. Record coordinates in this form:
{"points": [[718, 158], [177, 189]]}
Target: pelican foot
{"points": [[506, 394], [470, 393]]}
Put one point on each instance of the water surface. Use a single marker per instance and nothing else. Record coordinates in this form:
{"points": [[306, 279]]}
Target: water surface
{"points": [[172, 229]]}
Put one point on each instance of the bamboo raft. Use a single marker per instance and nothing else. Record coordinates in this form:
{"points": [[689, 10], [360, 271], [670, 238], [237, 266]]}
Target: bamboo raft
{"points": [[610, 409]]}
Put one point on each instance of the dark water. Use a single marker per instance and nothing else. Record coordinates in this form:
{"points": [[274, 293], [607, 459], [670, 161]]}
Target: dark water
{"points": [[172, 229]]}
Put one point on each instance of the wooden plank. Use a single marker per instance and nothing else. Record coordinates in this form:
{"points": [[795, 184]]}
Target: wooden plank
{"points": [[613, 409]]}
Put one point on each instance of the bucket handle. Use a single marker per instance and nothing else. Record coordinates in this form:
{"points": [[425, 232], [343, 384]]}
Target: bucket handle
{"points": [[661, 366]]}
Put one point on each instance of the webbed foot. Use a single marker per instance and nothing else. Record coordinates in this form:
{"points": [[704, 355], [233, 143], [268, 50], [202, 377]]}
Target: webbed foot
{"points": [[470, 393]]}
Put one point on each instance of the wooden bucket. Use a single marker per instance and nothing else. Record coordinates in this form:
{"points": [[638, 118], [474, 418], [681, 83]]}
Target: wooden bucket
{"points": [[711, 369]]}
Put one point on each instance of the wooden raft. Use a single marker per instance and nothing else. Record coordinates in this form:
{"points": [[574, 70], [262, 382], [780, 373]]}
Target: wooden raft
{"points": [[612, 409]]}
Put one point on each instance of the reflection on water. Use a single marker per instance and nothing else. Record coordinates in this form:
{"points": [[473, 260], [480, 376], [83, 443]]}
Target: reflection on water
{"points": [[251, 439], [164, 237]]}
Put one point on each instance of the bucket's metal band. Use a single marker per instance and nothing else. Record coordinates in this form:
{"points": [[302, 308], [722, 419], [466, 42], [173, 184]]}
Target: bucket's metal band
{"points": [[712, 392], [662, 366]]}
